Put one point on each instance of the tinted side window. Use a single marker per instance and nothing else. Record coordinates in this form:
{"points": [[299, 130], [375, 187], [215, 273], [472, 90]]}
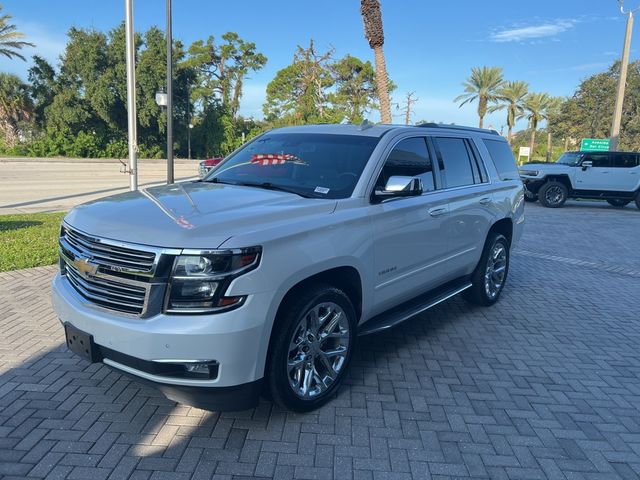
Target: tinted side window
{"points": [[454, 162], [598, 160], [625, 160], [502, 157], [409, 158]]}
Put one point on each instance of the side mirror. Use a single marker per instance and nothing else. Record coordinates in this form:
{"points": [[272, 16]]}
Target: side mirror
{"points": [[586, 164], [397, 187]]}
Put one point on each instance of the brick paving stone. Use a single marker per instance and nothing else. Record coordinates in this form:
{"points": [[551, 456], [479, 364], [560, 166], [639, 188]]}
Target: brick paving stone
{"points": [[545, 384]]}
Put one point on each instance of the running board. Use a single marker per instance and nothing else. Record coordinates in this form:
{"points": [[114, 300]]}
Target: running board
{"points": [[410, 309]]}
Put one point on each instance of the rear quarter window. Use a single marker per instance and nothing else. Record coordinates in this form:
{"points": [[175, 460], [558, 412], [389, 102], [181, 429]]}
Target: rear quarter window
{"points": [[502, 157]]}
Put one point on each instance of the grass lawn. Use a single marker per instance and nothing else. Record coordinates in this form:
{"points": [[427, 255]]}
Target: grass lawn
{"points": [[29, 240]]}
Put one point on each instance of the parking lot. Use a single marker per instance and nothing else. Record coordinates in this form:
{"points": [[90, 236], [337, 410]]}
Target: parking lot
{"points": [[545, 384]]}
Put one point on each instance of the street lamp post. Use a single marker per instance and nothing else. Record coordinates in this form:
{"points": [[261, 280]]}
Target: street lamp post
{"points": [[131, 96], [622, 81], [189, 139], [169, 97]]}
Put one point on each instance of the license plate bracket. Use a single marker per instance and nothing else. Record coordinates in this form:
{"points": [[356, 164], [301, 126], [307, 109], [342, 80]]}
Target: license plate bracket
{"points": [[80, 343]]}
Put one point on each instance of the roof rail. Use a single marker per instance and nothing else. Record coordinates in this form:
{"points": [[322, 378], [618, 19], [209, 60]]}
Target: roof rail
{"points": [[456, 127]]}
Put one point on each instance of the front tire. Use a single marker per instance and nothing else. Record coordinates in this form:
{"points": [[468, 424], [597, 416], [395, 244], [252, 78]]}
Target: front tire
{"points": [[553, 194], [530, 197], [313, 341], [616, 202], [638, 200], [490, 275]]}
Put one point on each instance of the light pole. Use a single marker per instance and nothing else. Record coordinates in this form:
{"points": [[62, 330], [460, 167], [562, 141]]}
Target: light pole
{"points": [[189, 139], [622, 81], [169, 97], [131, 96]]}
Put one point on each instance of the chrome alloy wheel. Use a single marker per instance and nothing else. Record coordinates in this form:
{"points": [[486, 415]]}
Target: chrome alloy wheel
{"points": [[496, 270], [554, 195], [318, 350]]}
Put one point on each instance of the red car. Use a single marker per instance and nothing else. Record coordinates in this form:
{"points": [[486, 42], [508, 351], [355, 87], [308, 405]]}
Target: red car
{"points": [[206, 165]]}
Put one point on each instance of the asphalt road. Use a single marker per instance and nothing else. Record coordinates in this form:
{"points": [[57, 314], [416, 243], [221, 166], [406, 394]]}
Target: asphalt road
{"points": [[50, 186]]}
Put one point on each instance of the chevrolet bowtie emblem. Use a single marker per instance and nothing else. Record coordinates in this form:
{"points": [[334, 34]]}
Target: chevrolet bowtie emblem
{"points": [[85, 267]]}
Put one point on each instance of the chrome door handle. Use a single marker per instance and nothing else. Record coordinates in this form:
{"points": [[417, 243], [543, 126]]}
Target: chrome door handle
{"points": [[436, 212], [485, 201]]}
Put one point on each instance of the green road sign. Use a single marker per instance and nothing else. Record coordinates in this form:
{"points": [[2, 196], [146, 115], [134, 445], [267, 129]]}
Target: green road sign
{"points": [[595, 145]]}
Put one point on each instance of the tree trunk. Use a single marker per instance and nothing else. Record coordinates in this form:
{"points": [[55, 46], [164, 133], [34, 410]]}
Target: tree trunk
{"points": [[533, 142], [549, 147], [510, 134], [382, 85], [482, 110]]}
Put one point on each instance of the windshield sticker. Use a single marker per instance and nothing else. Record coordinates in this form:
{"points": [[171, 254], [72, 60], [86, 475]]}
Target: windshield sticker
{"points": [[275, 159], [322, 190]]}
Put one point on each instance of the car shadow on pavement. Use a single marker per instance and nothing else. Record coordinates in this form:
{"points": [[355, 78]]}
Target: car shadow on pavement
{"points": [[60, 415]]}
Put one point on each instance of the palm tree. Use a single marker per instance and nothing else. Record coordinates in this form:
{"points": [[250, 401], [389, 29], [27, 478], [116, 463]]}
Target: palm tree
{"points": [[536, 106], [372, 18], [10, 41], [15, 107], [482, 86], [512, 94]]}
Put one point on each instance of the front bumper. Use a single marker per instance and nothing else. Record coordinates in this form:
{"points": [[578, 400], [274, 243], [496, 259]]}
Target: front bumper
{"points": [[532, 184], [234, 340]]}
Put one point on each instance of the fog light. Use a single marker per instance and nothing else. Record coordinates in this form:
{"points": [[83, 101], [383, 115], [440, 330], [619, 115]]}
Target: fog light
{"points": [[201, 370]]}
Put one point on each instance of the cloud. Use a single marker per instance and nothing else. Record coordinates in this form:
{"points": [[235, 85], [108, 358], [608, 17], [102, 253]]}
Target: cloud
{"points": [[544, 30]]}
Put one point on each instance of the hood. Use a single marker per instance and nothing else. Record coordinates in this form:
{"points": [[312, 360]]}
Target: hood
{"points": [[191, 215]]}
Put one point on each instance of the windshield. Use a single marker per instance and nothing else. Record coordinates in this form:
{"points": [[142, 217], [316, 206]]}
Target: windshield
{"points": [[570, 158], [308, 164]]}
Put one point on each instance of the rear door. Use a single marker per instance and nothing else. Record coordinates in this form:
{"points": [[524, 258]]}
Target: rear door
{"points": [[465, 180], [598, 176], [625, 172]]}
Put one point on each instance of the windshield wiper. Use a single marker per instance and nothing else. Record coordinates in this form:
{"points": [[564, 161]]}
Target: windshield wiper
{"points": [[271, 186]]}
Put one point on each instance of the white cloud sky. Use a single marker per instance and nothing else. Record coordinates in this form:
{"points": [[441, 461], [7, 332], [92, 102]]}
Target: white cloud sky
{"points": [[49, 44], [544, 30]]}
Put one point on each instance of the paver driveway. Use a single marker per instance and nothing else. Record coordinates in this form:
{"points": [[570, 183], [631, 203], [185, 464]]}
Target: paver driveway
{"points": [[546, 384]]}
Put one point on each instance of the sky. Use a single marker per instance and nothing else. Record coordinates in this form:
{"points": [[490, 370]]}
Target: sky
{"points": [[430, 46]]}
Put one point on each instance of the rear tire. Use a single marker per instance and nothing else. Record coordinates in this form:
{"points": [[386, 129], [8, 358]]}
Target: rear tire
{"points": [[553, 194], [638, 200], [616, 202], [320, 320], [490, 275]]}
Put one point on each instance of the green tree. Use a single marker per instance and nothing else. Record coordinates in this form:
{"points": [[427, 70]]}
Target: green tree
{"points": [[482, 86], [299, 93], [11, 39], [536, 105], [511, 96], [355, 92], [373, 31], [15, 107], [42, 84]]}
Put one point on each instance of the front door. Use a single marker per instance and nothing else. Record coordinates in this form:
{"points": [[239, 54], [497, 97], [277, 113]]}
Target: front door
{"points": [[598, 176], [409, 235]]}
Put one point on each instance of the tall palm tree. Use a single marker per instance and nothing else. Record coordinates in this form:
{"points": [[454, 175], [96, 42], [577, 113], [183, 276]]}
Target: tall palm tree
{"points": [[15, 107], [10, 41], [372, 18], [482, 86], [536, 106], [511, 95]]}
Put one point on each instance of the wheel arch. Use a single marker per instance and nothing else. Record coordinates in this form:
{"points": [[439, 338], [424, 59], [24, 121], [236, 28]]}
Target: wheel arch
{"points": [[562, 178]]}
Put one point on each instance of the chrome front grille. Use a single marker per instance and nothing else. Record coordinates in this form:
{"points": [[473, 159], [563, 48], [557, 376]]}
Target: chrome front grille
{"points": [[109, 255], [109, 274], [108, 294]]}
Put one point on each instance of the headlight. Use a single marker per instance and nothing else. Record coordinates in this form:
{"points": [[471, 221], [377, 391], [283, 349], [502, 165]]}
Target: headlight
{"points": [[200, 279], [529, 173]]}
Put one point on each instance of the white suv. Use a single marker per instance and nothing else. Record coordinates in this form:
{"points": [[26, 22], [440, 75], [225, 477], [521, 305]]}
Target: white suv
{"points": [[260, 276], [610, 176]]}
